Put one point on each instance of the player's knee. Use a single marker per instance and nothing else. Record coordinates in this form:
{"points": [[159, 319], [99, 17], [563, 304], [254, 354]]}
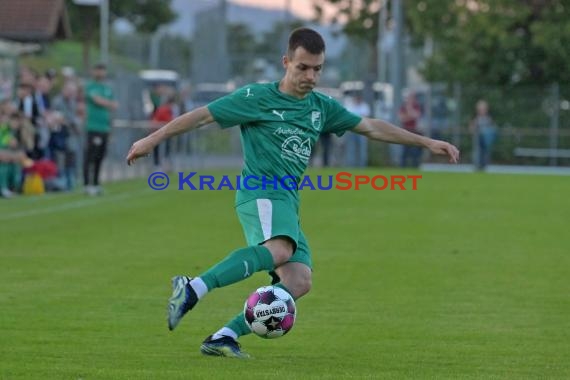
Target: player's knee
{"points": [[281, 249], [298, 283], [303, 286]]}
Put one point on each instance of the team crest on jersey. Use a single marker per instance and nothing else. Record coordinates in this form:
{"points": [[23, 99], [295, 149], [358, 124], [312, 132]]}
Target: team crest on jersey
{"points": [[316, 120]]}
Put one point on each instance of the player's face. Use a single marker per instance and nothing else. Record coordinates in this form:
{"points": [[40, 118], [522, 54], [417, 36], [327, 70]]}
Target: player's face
{"points": [[303, 70]]}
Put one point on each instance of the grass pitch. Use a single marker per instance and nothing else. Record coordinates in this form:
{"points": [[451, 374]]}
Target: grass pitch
{"points": [[468, 277]]}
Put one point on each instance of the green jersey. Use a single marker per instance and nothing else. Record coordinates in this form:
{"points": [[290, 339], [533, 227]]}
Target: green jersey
{"points": [[98, 117], [278, 134], [6, 136]]}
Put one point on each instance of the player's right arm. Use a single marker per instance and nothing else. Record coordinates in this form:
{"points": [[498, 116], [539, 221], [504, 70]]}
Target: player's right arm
{"points": [[186, 122]]}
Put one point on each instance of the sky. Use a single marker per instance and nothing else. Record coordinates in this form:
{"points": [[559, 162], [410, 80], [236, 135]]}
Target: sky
{"points": [[303, 8]]}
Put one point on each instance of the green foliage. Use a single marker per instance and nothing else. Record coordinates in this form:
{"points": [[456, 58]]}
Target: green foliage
{"points": [[502, 42], [241, 46], [146, 15], [359, 20], [245, 47], [69, 53], [274, 42]]}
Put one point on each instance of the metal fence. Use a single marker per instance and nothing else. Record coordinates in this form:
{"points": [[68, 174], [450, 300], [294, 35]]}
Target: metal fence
{"points": [[533, 129], [533, 122], [209, 147]]}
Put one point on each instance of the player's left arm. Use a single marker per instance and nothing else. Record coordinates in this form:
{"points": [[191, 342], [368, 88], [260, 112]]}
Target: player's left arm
{"points": [[376, 129]]}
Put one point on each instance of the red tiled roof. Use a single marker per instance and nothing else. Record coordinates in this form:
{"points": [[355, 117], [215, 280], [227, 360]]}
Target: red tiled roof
{"points": [[33, 20]]}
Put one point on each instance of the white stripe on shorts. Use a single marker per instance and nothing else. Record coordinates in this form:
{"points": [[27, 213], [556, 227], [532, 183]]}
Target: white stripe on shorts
{"points": [[265, 211]]}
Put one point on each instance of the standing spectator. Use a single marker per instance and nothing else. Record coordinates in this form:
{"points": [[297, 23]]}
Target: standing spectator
{"points": [[410, 113], [356, 144], [27, 104], [439, 115], [12, 157], [484, 133], [161, 116], [42, 98], [100, 102], [66, 104]]}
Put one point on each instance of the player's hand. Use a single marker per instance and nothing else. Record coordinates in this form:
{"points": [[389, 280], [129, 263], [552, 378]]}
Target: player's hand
{"points": [[444, 148], [141, 148]]}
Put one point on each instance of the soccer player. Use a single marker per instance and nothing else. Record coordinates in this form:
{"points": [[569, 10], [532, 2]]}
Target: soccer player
{"points": [[280, 123]]}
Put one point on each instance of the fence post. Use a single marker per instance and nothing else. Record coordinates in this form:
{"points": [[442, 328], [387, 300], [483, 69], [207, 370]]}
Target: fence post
{"points": [[457, 115], [554, 123]]}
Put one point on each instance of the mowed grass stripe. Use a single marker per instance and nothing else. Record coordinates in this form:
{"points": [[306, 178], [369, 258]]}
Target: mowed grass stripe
{"points": [[467, 277]]}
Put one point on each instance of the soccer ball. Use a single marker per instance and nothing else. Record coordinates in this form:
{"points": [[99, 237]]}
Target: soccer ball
{"points": [[270, 312]]}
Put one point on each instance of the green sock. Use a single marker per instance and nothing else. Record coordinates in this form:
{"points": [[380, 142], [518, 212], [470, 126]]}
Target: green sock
{"points": [[237, 266], [238, 324], [4, 171], [15, 176]]}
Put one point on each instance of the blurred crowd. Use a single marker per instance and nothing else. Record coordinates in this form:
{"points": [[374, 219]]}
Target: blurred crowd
{"points": [[56, 127], [40, 132]]}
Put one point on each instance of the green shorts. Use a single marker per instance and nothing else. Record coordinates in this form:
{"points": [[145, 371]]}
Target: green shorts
{"points": [[263, 219]]}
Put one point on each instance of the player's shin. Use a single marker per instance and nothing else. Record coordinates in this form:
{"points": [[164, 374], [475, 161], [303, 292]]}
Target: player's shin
{"points": [[238, 266], [234, 328]]}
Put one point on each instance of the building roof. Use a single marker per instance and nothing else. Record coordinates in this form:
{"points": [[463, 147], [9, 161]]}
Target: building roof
{"points": [[34, 20]]}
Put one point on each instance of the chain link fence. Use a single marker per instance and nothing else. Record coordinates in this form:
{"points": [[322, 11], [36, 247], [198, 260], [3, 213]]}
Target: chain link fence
{"points": [[532, 123], [533, 128]]}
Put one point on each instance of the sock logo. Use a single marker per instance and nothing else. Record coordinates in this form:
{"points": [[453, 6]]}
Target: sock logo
{"points": [[246, 274]]}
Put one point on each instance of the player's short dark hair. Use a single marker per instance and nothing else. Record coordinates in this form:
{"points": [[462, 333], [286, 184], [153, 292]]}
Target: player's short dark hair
{"points": [[306, 38]]}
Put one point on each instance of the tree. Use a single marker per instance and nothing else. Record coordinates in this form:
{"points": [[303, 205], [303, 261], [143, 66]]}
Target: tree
{"points": [[273, 43], [146, 16], [241, 46], [502, 42], [359, 20], [246, 48]]}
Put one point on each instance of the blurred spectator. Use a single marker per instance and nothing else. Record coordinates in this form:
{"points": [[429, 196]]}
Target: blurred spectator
{"points": [[12, 156], [439, 116], [410, 114], [186, 99], [42, 98], [161, 116], [68, 74], [357, 145], [69, 135], [27, 75], [100, 103], [41, 176], [27, 105], [33, 100], [484, 133]]}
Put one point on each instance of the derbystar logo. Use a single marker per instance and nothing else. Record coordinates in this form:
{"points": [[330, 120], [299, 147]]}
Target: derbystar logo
{"points": [[267, 312]]}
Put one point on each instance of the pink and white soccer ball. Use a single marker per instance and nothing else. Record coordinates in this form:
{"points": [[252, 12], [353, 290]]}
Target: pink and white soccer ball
{"points": [[270, 312]]}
